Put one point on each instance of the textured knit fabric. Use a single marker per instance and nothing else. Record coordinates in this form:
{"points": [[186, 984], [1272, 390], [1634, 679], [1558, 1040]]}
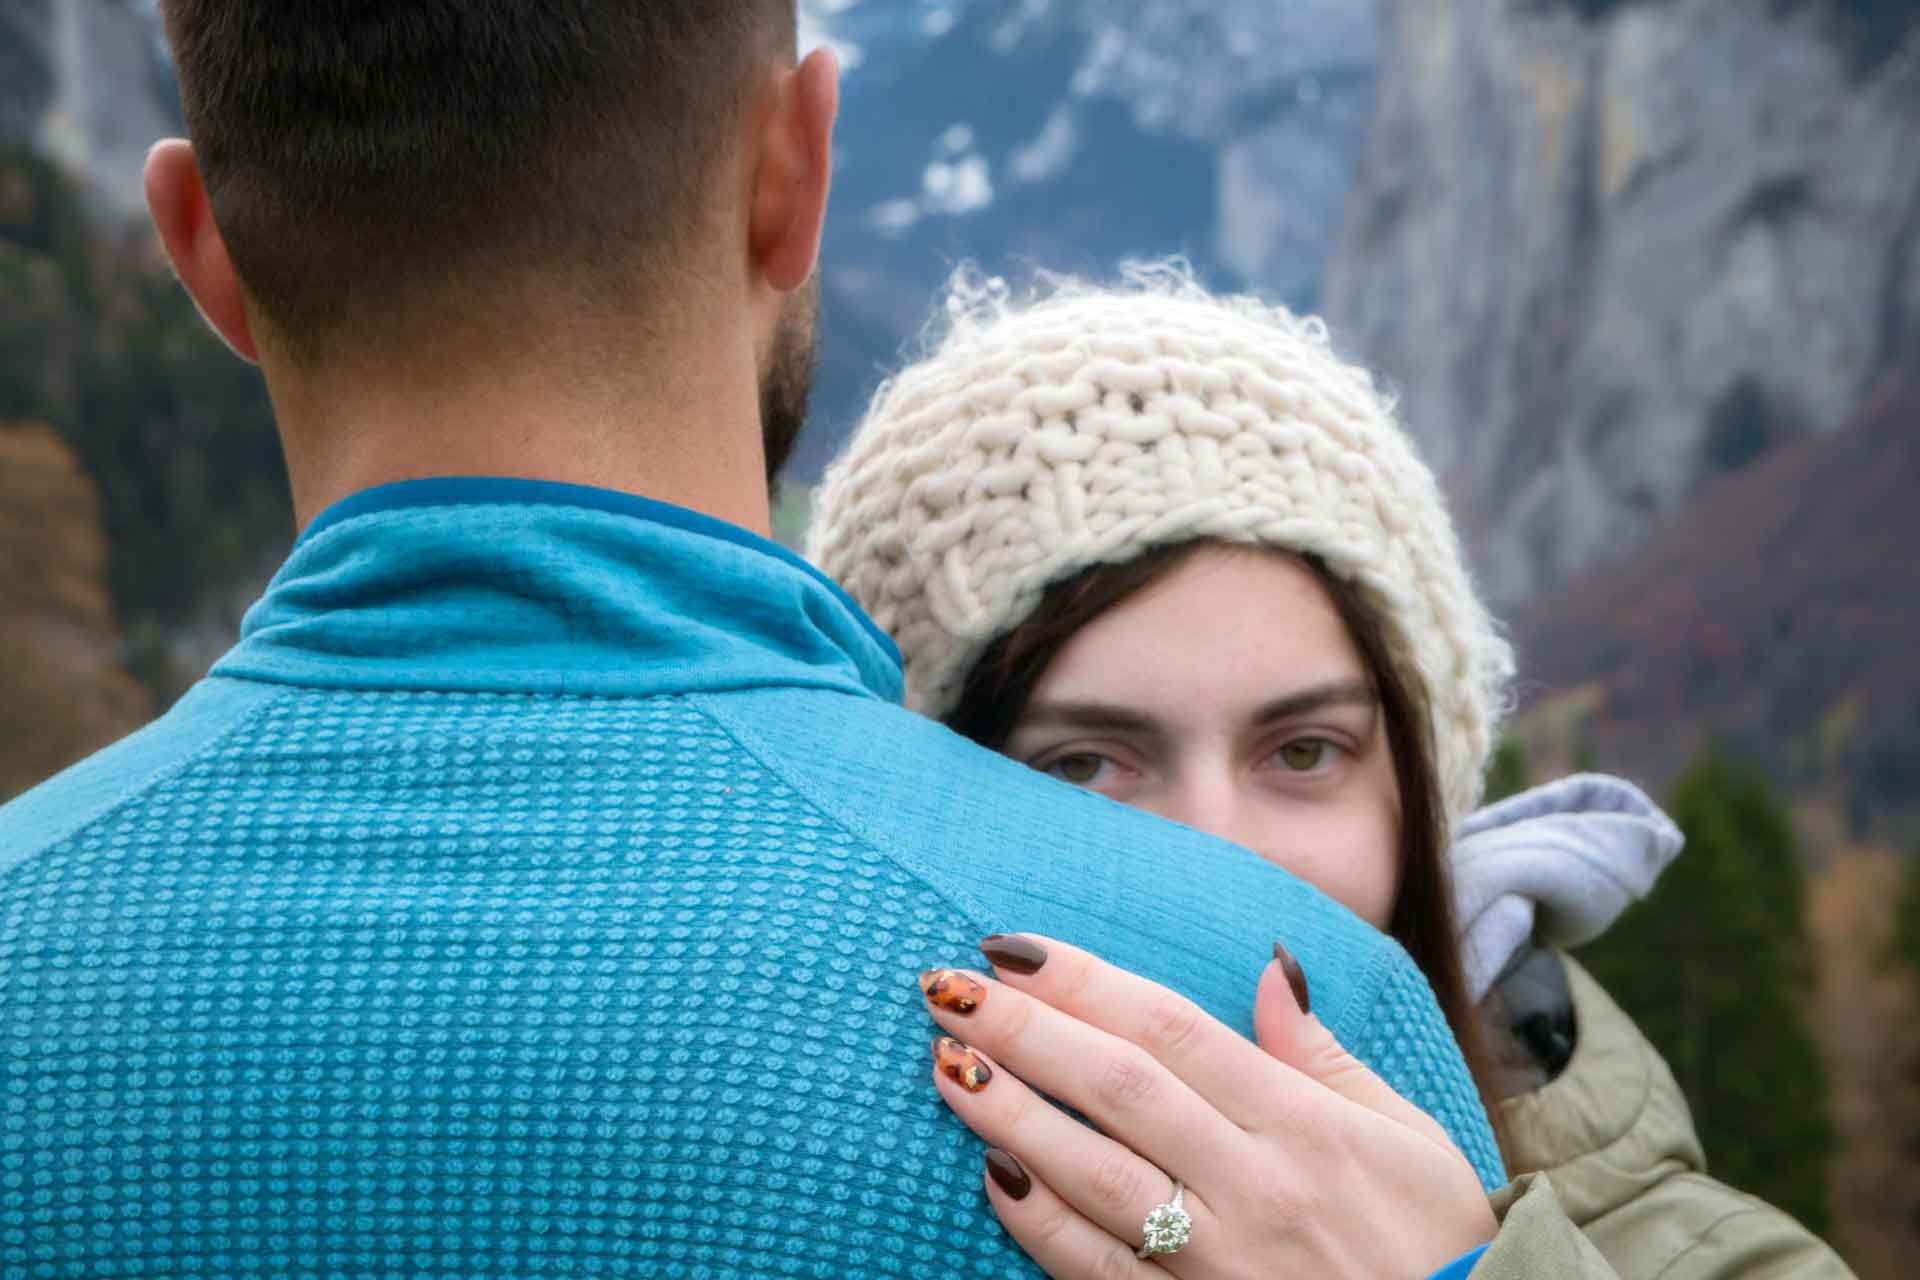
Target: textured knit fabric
{"points": [[538, 889], [1081, 430], [1613, 1183], [1556, 864]]}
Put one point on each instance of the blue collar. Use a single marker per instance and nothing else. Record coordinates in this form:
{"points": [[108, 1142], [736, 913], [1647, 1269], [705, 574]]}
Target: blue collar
{"points": [[484, 585]]}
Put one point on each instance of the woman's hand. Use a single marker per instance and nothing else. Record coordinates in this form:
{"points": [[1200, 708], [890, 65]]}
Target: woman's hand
{"points": [[1294, 1158]]}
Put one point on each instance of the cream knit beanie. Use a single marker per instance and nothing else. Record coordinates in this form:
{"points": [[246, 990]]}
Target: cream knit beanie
{"points": [[1044, 437]]}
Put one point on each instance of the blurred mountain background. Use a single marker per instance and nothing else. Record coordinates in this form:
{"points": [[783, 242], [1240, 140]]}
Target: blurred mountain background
{"points": [[1644, 274]]}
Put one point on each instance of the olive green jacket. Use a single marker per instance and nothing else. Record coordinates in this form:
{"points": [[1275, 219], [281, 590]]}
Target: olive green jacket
{"points": [[1611, 1180]]}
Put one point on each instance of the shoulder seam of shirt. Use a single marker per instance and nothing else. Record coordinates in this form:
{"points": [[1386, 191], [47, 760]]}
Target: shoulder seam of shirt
{"points": [[333, 673], [1380, 1013], [748, 742], [120, 797], [1379, 976]]}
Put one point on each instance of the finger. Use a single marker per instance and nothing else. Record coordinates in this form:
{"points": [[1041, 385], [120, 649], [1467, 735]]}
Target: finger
{"points": [[1117, 1085], [1295, 1037], [1217, 1063], [1063, 1241], [1104, 1182]]}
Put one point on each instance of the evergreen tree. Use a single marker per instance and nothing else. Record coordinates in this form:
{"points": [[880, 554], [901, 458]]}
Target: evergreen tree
{"points": [[1906, 945], [1906, 914], [1716, 967]]}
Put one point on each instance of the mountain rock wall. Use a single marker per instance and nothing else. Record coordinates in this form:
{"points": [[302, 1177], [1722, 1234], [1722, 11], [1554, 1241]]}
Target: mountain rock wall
{"points": [[85, 82], [1776, 614], [1607, 251], [1070, 135]]}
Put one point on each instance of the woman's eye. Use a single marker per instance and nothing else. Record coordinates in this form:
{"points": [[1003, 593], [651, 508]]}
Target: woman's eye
{"points": [[1304, 755], [1081, 769]]}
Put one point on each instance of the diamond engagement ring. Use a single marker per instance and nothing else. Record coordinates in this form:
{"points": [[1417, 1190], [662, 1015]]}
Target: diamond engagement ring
{"points": [[1168, 1227]]}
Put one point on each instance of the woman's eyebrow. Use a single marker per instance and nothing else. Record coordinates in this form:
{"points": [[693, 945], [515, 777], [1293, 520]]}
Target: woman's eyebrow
{"points": [[1087, 715], [1354, 692], [1115, 718]]}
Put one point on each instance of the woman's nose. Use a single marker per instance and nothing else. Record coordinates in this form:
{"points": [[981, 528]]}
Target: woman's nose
{"points": [[1208, 803]]}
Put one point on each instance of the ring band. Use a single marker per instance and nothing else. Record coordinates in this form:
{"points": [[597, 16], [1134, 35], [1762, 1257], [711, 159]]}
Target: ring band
{"points": [[1168, 1226]]}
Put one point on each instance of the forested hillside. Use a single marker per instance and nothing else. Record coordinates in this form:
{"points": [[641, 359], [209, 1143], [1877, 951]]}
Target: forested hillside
{"points": [[98, 342]]}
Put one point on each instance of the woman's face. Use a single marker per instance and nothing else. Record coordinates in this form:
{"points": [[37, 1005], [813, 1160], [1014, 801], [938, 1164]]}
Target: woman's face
{"points": [[1228, 696]]}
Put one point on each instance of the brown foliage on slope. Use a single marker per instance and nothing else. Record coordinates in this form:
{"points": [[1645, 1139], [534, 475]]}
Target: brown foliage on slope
{"points": [[63, 693], [1780, 613]]}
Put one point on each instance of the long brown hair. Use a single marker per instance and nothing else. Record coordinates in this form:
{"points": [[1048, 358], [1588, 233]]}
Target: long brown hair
{"points": [[1001, 683]]}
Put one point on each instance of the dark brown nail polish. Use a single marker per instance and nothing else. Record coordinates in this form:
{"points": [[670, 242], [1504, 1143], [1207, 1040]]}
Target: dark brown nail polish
{"points": [[1014, 953], [1007, 1174], [961, 1065], [1296, 976], [952, 990]]}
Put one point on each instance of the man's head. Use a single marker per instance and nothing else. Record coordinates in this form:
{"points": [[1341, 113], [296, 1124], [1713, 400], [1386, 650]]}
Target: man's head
{"points": [[451, 177]]}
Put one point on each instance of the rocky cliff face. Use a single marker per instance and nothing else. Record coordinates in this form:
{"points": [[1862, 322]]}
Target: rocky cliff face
{"points": [[1611, 249], [1776, 613], [87, 83], [63, 692], [1072, 134]]}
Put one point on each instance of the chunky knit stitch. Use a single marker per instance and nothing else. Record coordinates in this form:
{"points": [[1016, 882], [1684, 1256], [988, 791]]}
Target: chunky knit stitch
{"points": [[1037, 441], [538, 890]]}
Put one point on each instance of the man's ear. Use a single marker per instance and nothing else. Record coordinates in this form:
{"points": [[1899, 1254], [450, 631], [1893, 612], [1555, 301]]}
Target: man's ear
{"points": [[794, 175], [182, 214]]}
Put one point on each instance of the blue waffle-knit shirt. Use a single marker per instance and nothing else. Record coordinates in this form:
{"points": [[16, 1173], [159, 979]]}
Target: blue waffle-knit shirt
{"points": [[538, 889]]}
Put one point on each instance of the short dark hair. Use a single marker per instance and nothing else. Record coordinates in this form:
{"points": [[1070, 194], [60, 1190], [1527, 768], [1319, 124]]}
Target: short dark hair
{"points": [[360, 154], [998, 688]]}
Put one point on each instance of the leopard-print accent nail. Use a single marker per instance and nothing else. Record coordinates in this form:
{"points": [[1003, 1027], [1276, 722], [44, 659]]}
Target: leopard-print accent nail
{"points": [[961, 1065], [952, 990]]}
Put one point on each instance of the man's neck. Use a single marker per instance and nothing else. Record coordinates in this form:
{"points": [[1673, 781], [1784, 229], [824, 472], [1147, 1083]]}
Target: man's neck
{"points": [[677, 431]]}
